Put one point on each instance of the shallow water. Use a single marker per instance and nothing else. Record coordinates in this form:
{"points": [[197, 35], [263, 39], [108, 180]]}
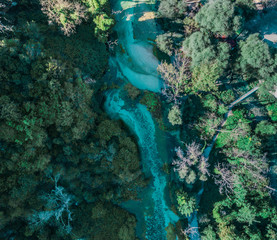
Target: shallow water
{"points": [[136, 60], [152, 211], [136, 63]]}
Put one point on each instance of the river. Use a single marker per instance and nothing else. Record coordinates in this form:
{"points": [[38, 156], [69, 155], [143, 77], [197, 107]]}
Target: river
{"points": [[136, 63]]}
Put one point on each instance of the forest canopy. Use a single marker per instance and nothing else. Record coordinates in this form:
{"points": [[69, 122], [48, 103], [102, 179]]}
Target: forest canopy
{"points": [[56, 143], [67, 167]]}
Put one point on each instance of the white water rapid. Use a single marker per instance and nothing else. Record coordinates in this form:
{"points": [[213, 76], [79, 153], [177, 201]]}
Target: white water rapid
{"points": [[156, 213]]}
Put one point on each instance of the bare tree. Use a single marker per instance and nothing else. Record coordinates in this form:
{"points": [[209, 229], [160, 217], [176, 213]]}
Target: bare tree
{"points": [[190, 160], [112, 44], [252, 168], [203, 166], [176, 77], [59, 202], [193, 151], [190, 231], [225, 179]]}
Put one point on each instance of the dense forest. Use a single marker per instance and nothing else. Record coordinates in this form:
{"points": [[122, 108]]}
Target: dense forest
{"points": [[57, 178], [66, 166]]}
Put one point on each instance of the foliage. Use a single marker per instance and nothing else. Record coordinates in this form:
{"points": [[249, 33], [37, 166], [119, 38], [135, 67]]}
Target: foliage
{"points": [[268, 89], [69, 14], [59, 202], [172, 8], [220, 17], [65, 13], [209, 101], [132, 91], [151, 101], [51, 123], [168, 42], [221, 57], [255, 57], [174, 116], [103, 25], [204, 77], [190, 162], [176, 78], [199, 47], [208, 125], [190, 26], [5, 23], [111, 222], [101, 14], [186, 204], [227, 96], [208, 233], [264, 128], [247, 8], [237, 127], [272, 111]]}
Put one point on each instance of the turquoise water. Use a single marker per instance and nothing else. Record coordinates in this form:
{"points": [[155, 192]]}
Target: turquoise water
{"points": [[135, 58], [152, 211], [135, 62]]}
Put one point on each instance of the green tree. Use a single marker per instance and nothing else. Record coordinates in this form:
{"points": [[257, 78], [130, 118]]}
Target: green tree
{"points": [[103, 25], [268, 88], [172, 8], [265, 128], [174, 116], [168, 42], [255, 58], [220, 17], [246, 214], [272, 111], [199, 47], [208, 233], [186, 204], [204, 77]]}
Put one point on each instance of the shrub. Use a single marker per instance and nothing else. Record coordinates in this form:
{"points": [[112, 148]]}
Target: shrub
{"points": [[150, 100]]}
